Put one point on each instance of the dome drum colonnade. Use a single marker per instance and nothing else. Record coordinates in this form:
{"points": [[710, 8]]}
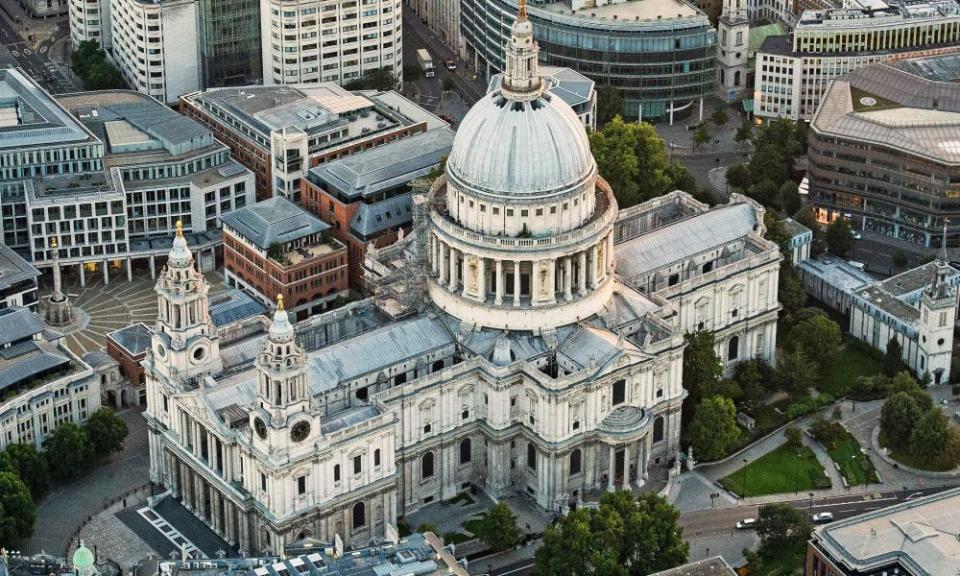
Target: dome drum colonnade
{"points": [[521, 234]]}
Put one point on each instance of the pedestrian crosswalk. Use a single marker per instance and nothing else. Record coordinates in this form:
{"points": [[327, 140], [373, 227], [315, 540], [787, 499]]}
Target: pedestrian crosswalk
{"points": [[172, 534]]}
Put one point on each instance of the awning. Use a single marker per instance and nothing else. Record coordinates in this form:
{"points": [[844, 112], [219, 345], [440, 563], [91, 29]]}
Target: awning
{"points": [[747, 105]]}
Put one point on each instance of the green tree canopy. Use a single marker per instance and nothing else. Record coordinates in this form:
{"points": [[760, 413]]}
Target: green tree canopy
{"points": [[900, 413], [839, 238], [106, 432], [719, 116], [379, 79], [499, 528], [713, 429], [701, 365], [796, 371], [609, 103], [899, 259], [893, 357], [67, 451], [31, 467], [701, 135], [17, 513], [930, 436], [818, 335], [791, 291], [744, 132], [751, 375], [622, 536], [789, 197], [738, 177], [782, 527]]}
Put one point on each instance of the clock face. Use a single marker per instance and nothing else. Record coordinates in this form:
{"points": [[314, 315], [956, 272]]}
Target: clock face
{"points": [[300, 431], [161, 351], [260, 428]]}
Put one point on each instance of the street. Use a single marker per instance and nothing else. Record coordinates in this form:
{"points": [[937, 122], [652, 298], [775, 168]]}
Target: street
{"points": [[14, 26]]}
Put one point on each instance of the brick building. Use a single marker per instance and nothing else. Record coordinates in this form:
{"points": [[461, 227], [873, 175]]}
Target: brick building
{"points": [[280, 132], [366, 197], [128, 346], [274, 247]]}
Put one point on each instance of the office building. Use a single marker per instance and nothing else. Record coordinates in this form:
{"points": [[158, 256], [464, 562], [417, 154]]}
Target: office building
{"points": [[879, 153], [320, 41], [792, 73], [275, 248], [914, 537], [280, 132], [18, 281], [367, 198], [660, 53], [578, 91]]}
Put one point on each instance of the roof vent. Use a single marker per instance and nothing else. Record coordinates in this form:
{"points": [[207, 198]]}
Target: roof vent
{"points": [[868, 101]]}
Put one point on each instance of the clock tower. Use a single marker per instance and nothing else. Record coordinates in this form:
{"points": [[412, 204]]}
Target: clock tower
{"points": [[733, 29], [184, 347], [283, 417]]}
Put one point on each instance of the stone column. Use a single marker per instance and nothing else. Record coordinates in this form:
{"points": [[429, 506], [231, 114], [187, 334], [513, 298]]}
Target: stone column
{"points": [[568, 278], [106, 272], [83, 276], [641, 471], [498, 299], [215, 510], [646, 457], [592, 267], [153, 267], [626, 467], [481, 279], [516, 283], [453, 268], [552, 281], [534, 282], [442, 267], [582, 274], [611, 468], [244, 543], [129, 265]]}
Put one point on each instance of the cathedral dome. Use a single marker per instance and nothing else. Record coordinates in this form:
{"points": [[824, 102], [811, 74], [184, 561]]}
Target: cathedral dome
{"points": [[518, 148]]}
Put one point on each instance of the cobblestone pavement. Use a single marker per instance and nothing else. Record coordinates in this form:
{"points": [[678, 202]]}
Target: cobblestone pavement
{"points": [[62, 511], [112, 306], [114, 540]]}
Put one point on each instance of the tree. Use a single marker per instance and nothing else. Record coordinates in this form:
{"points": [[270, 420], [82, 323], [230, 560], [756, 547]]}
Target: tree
{"points": [[818, 335], [622, 537], [930, 436], [796, 372], [31, 467], [448, 84], [794, 437], [106, 432], [67, 451], [103, 75], [893, 357], [789, 197], [791, 291], [499, 528], [17, 513], [701, 136], [782, 527], [719, 116], [609, 103], [87, 53], [900, 413], [765, 192], [749, 375], [701, 365], [744, 132], [713, 429], [738, 177], [839, 237], [899, 259]]}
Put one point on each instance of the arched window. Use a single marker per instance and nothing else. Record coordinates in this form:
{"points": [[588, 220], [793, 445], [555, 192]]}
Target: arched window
{"points": [[736, 78], [733, 348], [575, 461], [619, 392], [658, 429], [426, 465], [359, 515], [466, 451], [531, 456]]}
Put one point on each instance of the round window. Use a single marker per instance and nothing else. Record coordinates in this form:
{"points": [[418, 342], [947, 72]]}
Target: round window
{"points": [[940, 342], [300, 431], [199, 353], [260, 427], [161, 351]]}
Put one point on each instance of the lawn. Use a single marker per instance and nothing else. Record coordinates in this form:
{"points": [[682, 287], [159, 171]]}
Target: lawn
{"points": [[854, 361], [854, 466], [779, 471], [907, 459]]}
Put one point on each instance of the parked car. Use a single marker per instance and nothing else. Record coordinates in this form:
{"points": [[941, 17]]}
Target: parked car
{"points": [[855, 234], [451, 65], [820, 517], [746, 524]]}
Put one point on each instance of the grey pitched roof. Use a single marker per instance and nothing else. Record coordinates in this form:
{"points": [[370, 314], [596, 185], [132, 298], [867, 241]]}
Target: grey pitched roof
{"points": [[14, 269], [276, 220], [370, 219], [348, 417], [385, 167], [375, 350], [30, 367], [98, 358], [18, 324], [135, 339], [683, 239]]}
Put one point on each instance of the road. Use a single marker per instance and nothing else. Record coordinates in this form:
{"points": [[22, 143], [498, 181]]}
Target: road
{"points": [[717, 525], [35, 62]]}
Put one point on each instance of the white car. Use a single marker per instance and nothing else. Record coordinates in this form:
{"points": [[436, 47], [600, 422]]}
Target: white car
{"points": [[855, 234], [823, 517], [746, 523]]}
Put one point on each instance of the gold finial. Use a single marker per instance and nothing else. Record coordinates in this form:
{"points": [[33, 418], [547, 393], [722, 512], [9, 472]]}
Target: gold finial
{"points": [[522, 11], [179, 226], [279, 301], [53, 242]]}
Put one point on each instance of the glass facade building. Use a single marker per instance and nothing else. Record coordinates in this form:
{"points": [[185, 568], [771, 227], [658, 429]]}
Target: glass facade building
{"points": [[230, 51], [661, 54]]}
